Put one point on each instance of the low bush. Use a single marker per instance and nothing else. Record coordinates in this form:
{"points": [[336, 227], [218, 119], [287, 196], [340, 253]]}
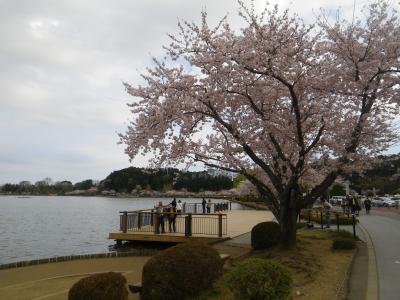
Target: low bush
{"points": [[265, 235], [260, 279], [343, 244], [181, 272], [104, 286]]}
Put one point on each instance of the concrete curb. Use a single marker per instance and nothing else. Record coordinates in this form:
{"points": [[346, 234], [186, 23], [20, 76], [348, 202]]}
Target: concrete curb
{"points": [[20, 264], [344, 286], [372, 281]]}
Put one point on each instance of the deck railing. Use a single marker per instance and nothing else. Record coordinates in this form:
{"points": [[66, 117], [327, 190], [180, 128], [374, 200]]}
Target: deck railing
{"points": [[198, 207], [188, 224]]}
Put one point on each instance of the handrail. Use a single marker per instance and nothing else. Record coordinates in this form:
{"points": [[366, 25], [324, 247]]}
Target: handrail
{"points": [[186, 223]]}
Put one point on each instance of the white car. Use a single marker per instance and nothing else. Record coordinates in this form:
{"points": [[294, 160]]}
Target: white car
{"points": [[386, 202], [337, 200], [396, 199], [377, 202]]}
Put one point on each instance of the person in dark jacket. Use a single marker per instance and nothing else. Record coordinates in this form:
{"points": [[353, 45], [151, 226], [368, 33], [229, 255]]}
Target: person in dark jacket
{"points": [[203, 204], [172, 219], [367, 204]]}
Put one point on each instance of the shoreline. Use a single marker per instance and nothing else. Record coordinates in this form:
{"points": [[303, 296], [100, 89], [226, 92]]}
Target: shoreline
{"points": [[66, 258]]}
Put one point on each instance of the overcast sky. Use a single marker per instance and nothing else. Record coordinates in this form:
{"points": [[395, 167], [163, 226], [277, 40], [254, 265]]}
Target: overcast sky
{"points": [[62, 64]]}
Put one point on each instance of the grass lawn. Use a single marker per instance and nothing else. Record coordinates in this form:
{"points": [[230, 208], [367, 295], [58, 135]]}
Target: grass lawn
{"points": [[318, 271]]}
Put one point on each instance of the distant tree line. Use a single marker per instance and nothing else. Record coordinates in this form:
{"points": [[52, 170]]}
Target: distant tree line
{"points": [[46, 187], [129, 179]]}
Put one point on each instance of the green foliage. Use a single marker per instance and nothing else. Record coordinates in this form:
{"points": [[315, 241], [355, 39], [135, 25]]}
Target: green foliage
{"points": [[180, 272], [337, 190], [126, 180], [105, 286], [343, 244], [197, 181], [265, 235], [84, 185], [259, 279], [238, 179]]}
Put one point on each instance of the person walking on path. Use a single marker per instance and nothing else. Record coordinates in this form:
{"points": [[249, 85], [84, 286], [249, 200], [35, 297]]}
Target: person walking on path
{"points": [[357, 204], [367, 204], [209, 206], [203, 204], [350, 204], [179, 207], [327, 210]]}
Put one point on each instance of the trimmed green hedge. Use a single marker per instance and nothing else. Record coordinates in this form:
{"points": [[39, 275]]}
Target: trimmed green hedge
{"points": [[265, 235], [181, 272], [104, 286], [259, 279]]}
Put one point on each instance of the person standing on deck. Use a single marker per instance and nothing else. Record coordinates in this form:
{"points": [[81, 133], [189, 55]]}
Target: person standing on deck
{"points": [[179, 207], [203, 204], [173, 203], [209, 206], [160, 217], [172, 219]]}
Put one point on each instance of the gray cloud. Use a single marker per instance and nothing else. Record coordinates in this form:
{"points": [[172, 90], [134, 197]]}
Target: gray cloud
{"points": [[61, 67]]}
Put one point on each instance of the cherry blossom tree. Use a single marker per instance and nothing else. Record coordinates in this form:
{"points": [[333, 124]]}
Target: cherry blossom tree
{"points": [[291, 106]]}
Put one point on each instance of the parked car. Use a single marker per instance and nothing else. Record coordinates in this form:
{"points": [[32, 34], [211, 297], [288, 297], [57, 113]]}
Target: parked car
{"points": [[337, 200], [383, 202], [396, 199]]}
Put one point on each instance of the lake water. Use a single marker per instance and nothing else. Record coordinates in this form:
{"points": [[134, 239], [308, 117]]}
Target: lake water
{"points": [[48, 226]]}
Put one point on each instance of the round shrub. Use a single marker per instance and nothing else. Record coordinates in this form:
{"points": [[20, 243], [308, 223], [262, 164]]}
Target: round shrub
{"points": [[180, 272], [343, 244], [260, 279], [104, 286], [265, 235]]}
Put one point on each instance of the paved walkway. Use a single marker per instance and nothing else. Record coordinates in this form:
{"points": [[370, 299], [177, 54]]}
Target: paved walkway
{"points": [[384, 230], [53, 281]]}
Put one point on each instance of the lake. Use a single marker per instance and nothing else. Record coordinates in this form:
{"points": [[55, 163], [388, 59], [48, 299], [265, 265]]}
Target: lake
{"points": [[48, 226]]}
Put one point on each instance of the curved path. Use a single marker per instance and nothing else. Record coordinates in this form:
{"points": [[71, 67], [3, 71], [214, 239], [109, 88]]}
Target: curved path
{"points": [[384, 230]]}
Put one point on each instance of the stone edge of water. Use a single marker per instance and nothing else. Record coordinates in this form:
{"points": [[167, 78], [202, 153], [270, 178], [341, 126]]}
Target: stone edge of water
{"points": [[20, 264]]}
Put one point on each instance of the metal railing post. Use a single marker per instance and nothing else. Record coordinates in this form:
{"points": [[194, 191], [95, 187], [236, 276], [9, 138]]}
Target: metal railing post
{"points": [[125, 222], [156, 223], [220, 225], [139, 215], [188, 225]]}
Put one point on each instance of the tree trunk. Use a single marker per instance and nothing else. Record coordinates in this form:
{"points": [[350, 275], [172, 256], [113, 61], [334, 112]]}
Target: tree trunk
{"points": [[288, 221]]}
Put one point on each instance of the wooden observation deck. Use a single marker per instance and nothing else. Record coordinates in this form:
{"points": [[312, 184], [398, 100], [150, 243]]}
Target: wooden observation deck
{"points": [[192, 224]]}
